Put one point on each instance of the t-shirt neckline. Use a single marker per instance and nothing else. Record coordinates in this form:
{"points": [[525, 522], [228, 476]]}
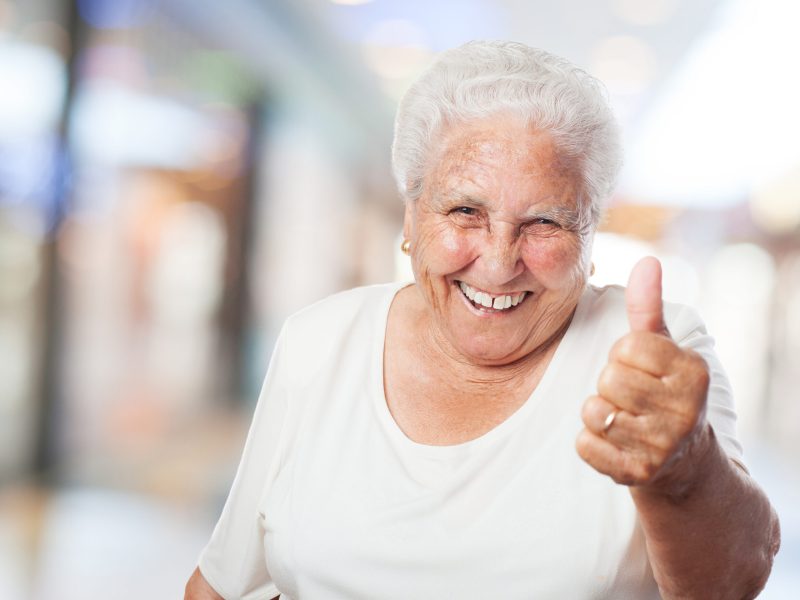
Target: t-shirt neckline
{"points": [[378, 392]]}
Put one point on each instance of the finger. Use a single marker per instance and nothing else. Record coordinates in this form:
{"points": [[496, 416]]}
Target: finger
{"points": [[642, 350], [594, 413], [607, 458], [625, 430], [643, 301], [631, 389]]}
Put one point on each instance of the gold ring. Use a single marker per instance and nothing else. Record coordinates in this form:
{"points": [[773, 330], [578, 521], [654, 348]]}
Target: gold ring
{"points": [[612, 416]]}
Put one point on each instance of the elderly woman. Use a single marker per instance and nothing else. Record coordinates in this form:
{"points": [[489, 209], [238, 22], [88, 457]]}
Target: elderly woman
{"points": [[419, 440]]}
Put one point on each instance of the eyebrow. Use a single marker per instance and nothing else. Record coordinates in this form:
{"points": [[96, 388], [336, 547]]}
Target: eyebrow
{"points": [[461, 197], [567, 217]]}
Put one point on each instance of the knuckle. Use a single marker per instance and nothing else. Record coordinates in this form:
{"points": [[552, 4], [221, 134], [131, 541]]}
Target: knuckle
{"points": [[625, 477], [589, 410], [622, 478], [582, 444], [662, 441], [649, 469], [608, 378], [624, 348], [697, 366], [645, 469], [585, 448], [703, 375], [630, 472], [650, 465], [687, 423]]}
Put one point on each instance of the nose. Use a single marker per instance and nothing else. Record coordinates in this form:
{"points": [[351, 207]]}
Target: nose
{"points": [[500, 257]]}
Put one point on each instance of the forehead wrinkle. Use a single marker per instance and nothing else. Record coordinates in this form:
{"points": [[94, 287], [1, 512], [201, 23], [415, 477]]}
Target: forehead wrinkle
{"points": [[479, 168], [472, 163], [560, 208]]}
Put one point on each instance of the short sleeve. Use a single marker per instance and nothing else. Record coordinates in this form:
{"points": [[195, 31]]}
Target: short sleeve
{"points": [[690, 332], [233, 562]]}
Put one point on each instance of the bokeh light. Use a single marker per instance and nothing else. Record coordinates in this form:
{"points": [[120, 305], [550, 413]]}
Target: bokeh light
{"points": [[644, 12]]}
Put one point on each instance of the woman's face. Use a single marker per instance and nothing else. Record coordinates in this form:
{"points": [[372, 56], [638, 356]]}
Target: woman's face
{"points": [[497, 224]]}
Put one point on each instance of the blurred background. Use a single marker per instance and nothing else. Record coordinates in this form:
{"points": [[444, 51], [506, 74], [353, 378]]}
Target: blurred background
{"points": [[177, 176]]}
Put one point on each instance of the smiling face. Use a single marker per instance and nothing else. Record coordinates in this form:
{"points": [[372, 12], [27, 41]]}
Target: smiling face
{"points": [[497, 224]]}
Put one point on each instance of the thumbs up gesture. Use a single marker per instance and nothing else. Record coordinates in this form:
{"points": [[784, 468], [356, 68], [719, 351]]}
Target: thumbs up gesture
{"points": [[648, 417]]}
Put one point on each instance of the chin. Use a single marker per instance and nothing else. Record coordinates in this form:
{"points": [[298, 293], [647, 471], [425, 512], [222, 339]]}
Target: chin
{"points": [[487, 352]]}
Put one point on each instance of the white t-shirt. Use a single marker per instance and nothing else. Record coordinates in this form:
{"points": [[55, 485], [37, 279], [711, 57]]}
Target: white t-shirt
{"points": [[333, 501]]}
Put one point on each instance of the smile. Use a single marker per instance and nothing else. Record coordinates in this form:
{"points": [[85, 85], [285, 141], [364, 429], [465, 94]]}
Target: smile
{"points": [[486, 302]]}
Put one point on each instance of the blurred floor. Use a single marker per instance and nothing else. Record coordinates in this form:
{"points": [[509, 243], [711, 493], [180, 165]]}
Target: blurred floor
{"points": [[94, 543], [138, 540]]}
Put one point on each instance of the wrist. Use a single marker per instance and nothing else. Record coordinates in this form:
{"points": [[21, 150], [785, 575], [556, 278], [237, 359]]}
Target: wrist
{"points": [[691, 468]]}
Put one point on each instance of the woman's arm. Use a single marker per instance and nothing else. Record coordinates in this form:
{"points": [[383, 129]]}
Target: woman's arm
{"points": [[715, 539], [197, 588], [710, 531]]}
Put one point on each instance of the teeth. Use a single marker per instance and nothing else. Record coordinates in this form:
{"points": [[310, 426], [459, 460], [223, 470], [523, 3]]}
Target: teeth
{"points": [[483, 299]]}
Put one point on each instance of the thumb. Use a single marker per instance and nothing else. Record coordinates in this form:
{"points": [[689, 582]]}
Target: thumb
{"points": [[643, 297]]}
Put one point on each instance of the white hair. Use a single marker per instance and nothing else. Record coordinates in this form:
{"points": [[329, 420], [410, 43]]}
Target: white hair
{"points": [[484, 78]]}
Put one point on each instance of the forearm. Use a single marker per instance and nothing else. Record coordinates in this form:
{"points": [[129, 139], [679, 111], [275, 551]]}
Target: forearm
{"points": [[197, 588], [716, 538]]}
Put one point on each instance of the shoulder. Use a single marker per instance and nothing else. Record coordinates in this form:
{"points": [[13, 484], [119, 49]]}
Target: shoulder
{"points": [[606, 305], [342, 308], [318, 332]]}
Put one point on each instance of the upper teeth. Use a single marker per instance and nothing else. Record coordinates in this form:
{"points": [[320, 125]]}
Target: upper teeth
{"points": [[496, 302]]}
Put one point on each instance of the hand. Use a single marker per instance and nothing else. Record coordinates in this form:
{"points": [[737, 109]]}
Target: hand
{"points": [[656, 391]]}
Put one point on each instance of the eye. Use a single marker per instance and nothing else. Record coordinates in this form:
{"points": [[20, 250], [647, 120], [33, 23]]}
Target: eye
{"points": [[464, 210], [542, 226]]}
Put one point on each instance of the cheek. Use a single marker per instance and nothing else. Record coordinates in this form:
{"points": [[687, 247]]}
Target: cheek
{"points": [[453, 243], [444, 249], [555, 262]]}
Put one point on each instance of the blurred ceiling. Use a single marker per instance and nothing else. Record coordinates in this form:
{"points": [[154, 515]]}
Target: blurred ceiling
{"points": [[633, 45], [677, 71]]}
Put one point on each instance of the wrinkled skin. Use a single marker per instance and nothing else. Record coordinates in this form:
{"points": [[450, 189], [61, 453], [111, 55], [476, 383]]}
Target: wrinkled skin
{"points": [[499, 212]]}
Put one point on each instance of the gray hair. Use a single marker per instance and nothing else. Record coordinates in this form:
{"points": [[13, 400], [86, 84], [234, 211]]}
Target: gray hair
{"points": [[484, 78]]}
